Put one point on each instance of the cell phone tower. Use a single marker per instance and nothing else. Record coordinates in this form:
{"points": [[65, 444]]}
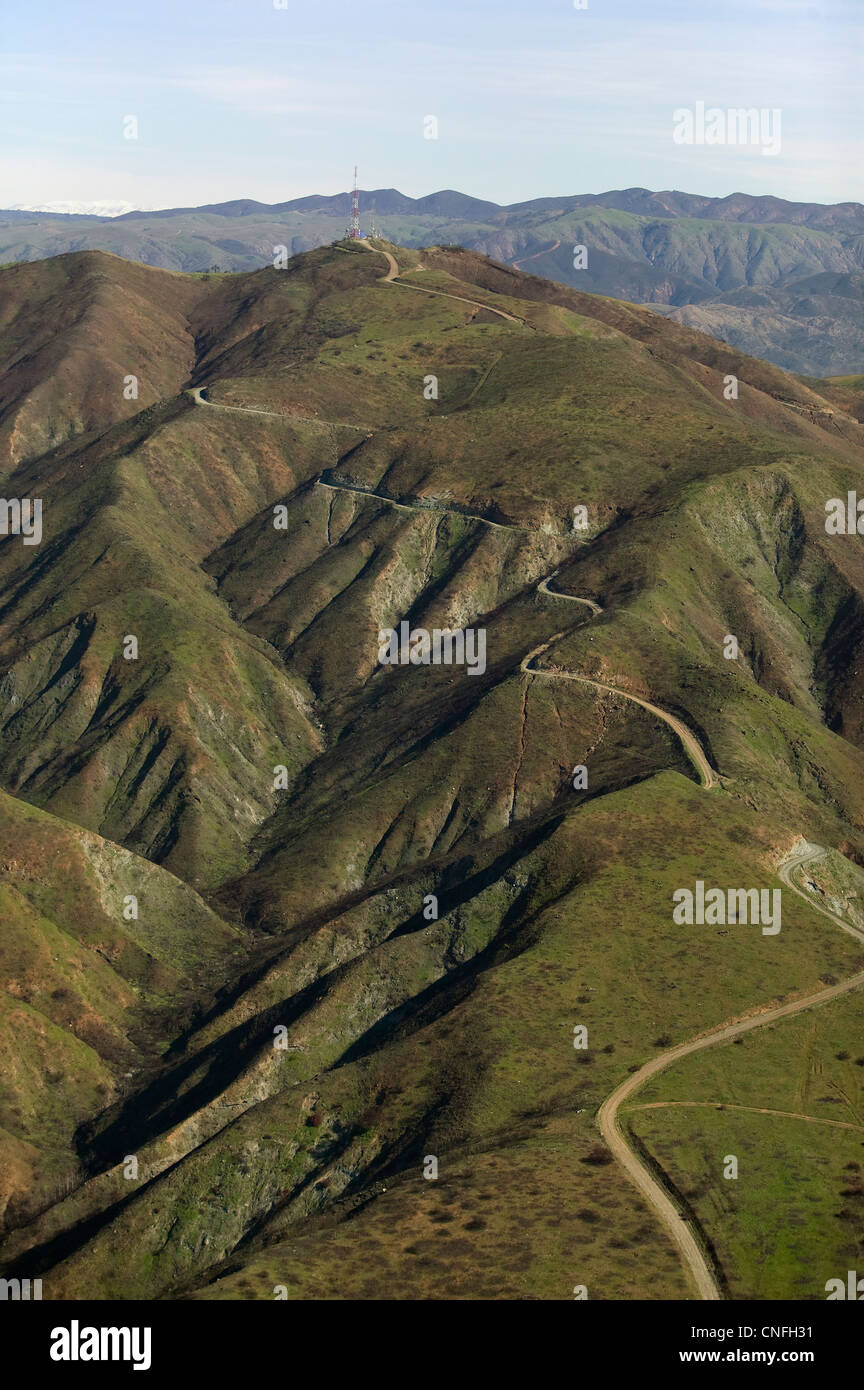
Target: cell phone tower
{"points": [[354, 229]]}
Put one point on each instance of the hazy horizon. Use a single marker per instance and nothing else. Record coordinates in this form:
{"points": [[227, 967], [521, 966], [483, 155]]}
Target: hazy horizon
{"points": [[272, 104], [100, 208]]}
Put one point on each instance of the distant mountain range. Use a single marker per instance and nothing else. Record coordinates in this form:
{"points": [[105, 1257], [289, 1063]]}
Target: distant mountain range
{"points": [[777, 279]]}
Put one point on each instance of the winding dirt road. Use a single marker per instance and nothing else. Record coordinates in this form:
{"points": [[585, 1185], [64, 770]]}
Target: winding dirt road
{"points": [[415, 506], [807, 854], [546, 251], [690, 743], [690, 1248], [747, 1109], [543, 588], [392, 277], [197, 394]]}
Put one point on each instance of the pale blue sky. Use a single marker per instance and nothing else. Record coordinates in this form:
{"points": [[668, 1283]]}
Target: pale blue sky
{"points": [[236, 98]]}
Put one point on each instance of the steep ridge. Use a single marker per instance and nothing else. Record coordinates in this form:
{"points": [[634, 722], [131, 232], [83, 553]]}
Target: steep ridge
{"points": [[76, 333], [104, 955]]}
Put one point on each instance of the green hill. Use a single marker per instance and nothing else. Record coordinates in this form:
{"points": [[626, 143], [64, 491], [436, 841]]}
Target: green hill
{"points": [[379, 955], [779, 280]]}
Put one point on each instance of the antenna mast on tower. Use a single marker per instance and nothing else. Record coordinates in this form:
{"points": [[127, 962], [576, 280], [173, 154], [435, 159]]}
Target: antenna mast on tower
{"points": [[354, 229]]}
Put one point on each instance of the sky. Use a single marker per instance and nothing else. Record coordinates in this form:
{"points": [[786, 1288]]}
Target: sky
{"points": [[275, 99]]}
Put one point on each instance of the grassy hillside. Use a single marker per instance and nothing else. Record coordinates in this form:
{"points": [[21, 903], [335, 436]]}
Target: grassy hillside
{"points": [[91, 994], [405, 1033]]}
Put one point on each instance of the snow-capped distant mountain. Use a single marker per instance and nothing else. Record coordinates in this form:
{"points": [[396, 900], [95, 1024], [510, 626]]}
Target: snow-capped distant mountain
{"points": [[81, 209]]}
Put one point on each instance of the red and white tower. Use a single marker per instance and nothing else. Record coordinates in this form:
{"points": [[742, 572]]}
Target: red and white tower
{"points": [[354, 229]]}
